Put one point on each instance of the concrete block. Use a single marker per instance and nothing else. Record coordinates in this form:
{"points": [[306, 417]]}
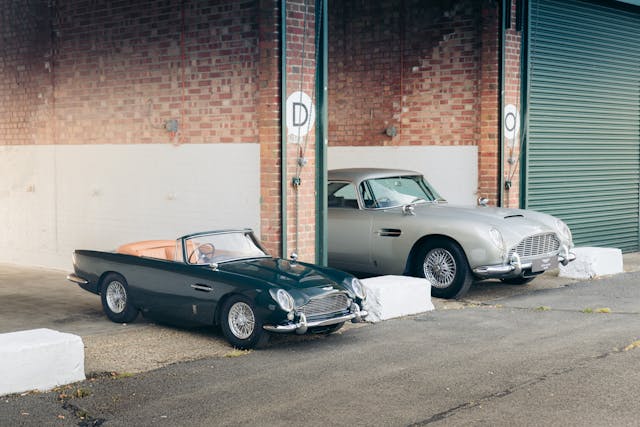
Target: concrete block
{"points": [[39, 359], [396, 296], [593, 262]]}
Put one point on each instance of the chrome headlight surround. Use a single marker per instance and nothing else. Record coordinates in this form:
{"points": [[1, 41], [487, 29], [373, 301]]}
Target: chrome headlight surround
{"points": [[496, 238], [283, 298], [563, 230], [358, 288]]}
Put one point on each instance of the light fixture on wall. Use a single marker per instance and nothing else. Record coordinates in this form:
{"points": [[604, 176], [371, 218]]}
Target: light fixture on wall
{"points": [[391, 131]]}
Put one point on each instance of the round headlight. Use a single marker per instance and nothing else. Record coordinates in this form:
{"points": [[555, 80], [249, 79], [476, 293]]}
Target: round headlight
{"points": [[358, 288], [283, 298], [563, 229], [496, 238]]}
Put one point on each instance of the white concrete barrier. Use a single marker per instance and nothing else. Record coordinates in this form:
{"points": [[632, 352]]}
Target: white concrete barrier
{"points": [[593, 262], [396, 296], [39, 359]]}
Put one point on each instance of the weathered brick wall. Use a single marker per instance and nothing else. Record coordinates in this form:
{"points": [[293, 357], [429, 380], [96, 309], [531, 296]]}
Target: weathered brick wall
{"points": [[300, 76], [104, 72], [513, 156], [427, 69], [25, 72]]}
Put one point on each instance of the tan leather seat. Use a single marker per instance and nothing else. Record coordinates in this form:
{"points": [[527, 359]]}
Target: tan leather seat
{"points": [[161, 249]]}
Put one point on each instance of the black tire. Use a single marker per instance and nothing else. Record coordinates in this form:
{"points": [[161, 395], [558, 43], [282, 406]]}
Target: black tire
{"points": [[327, 329], [116, 303], [517, 280], [445, 265], [240, 324]]}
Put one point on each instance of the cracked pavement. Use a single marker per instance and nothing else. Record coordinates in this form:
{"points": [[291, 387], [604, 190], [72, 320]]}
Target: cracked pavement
{"points": [[541, 356]]}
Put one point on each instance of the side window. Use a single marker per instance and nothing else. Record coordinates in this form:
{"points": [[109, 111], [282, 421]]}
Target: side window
{"points": [[342, 195]]}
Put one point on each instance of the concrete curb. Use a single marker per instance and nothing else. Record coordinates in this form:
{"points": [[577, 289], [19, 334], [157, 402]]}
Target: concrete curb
{"points": [[39, 359]]}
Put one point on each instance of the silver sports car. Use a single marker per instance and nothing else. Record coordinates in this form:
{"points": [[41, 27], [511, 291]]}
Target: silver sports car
{"points": [[384, 221]]}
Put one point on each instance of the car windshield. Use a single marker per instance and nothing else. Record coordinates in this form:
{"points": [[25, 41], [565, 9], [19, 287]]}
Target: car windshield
{"points": [[203, 249], [397, 191]]}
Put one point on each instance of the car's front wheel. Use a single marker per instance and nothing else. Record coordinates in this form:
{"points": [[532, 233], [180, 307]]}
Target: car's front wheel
{"points": [[240, 324], [445, 265], [116, 303]]}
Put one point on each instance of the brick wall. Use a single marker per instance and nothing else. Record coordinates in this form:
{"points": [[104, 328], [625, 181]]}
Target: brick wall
{"points": [[300, 76], [105, 72], [429, 70], [511, 168]]}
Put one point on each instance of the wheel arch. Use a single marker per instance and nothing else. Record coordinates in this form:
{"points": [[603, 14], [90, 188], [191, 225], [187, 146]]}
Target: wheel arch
{"points": [[104, 275]]}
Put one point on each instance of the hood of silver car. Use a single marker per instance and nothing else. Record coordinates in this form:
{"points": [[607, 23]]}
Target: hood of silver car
{"points": [[513, 223]]}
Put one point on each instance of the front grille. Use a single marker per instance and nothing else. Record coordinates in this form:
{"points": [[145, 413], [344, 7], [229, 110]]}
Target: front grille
{"points": [[540, 244], [334, 303]]}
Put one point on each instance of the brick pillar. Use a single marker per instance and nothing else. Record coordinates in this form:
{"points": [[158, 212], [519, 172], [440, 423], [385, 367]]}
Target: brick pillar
{"points": [[488, 152], [301, 63], [269, 123], [513, 159]]}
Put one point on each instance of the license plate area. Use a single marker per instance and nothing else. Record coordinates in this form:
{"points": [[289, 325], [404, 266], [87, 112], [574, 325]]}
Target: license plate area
{"points": [[544, 264]]}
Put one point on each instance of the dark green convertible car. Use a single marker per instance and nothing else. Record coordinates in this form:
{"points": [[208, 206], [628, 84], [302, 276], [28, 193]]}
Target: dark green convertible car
{"points": [[221, 278]]}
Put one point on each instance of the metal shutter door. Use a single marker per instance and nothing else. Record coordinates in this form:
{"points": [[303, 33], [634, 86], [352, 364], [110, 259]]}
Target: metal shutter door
{"points": [[582, 160]]}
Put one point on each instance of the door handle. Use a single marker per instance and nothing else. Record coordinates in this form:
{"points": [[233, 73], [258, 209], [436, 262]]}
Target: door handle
{"points": [[202, 288]]}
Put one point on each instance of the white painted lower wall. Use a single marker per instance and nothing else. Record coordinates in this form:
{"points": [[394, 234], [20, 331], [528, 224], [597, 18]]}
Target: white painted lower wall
{"points": [[452, 170], [54, 199]]}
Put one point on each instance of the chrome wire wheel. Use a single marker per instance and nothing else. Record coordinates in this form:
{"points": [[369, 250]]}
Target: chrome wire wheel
{"points": [[439, 267], [116, 297], [241, 320]]}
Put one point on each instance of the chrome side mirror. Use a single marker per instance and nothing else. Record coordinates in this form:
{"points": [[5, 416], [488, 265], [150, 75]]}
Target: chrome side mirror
{"points": [[214, 266], [483, 201], [408, 209], [294, 257]]}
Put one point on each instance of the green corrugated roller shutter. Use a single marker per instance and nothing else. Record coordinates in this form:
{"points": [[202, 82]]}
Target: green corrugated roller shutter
{"points": [[583, 130]]}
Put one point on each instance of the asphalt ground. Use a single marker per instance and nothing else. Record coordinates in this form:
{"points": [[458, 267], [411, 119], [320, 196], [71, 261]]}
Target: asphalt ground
{"points": [[33, 298], [555, 352]]}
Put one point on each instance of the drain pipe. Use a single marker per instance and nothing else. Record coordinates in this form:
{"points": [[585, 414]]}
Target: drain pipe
{"points": [[283, 129]]}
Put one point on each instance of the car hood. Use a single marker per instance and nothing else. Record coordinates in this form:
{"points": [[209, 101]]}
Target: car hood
{"points": [[513, 223], [301, 280]]}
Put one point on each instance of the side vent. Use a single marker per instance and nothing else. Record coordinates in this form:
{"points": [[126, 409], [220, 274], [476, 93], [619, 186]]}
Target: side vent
{"points": [[389, 232]]}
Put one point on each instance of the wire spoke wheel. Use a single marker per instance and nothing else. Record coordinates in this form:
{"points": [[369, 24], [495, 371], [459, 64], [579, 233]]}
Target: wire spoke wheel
{"points": [[241, 320], [440, 268], [116, 297]]}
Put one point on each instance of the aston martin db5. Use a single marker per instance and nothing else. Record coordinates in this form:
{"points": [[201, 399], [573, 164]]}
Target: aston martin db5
{"points": [[223, 278], [385, 221]]}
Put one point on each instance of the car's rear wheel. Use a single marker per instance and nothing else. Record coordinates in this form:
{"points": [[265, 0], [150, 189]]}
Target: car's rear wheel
{"points": [[517, 280], [241, 326], [445, 265], [116, 303]]}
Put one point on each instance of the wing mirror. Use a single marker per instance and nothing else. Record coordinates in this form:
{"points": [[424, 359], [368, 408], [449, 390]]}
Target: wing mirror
{"points": [[408, 209], [214, 266], [294, 257], [483, 201]]}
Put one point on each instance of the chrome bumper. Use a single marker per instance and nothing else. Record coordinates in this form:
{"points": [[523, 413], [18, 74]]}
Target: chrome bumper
{"points": [[516, 267], [76, 279], [302, 325]]}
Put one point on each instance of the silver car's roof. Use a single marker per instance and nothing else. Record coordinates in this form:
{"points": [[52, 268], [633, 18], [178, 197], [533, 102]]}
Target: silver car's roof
{"points": [[360, 174]]}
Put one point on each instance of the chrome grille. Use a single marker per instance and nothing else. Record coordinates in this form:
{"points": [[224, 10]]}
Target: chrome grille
{"points": [[326, 305], [540, 244]]}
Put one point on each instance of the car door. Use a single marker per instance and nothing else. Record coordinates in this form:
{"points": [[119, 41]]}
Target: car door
{"points": [[174, 290], [349, 235]]}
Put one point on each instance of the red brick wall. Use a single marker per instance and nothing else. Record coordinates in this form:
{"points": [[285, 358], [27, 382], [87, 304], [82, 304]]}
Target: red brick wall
{"points": [[25, 73], [428, 69], [512, 96], [104, 72], [300, 76]]}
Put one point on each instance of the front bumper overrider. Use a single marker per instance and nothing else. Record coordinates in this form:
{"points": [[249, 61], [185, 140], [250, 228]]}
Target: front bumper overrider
{"points": [[300, 325], [516, 268]]}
